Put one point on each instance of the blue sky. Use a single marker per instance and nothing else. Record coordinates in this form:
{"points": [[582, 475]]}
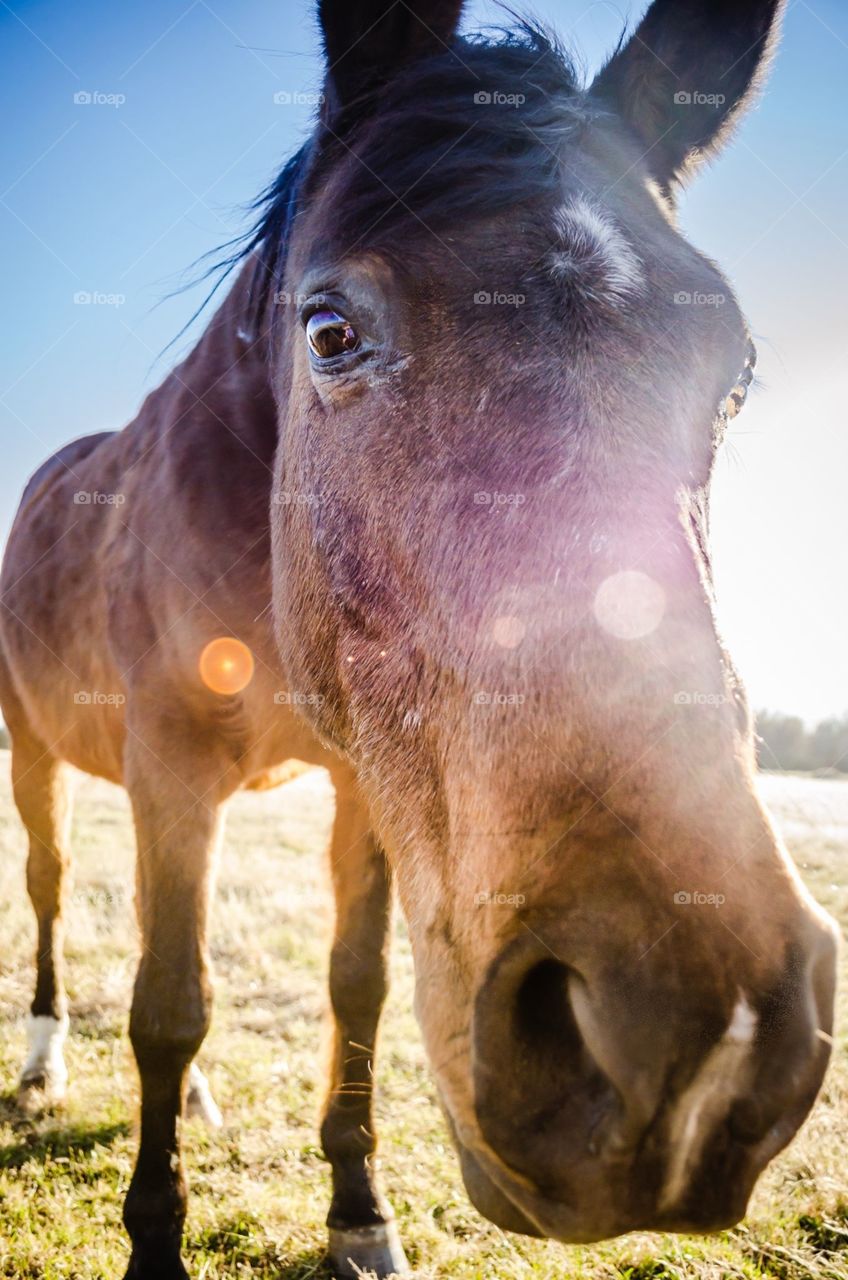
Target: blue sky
{"points": [[119, 195]]}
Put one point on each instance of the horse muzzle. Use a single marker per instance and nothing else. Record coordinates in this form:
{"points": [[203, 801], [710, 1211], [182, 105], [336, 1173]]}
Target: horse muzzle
{"points": [[598, 1112]]}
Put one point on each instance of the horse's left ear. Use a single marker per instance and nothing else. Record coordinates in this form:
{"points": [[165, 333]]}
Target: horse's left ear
{"points": [[366, 41], [688, 71]]}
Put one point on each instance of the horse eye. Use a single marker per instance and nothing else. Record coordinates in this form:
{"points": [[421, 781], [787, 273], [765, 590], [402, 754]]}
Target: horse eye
{"points": [[329, 334], [739, 394], [736, 399]]}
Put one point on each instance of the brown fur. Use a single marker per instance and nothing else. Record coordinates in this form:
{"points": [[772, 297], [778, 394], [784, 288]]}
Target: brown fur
{"points": [[609, 1056]]}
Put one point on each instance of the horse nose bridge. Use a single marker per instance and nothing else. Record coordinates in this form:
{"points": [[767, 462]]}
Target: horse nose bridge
{"points": [[608, 695]]}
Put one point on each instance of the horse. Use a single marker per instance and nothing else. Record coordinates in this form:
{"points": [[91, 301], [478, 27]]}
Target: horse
{"points": [[428, 505]]}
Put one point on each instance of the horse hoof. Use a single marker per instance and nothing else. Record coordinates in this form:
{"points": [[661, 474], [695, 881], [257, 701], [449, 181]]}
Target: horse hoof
{"points": [[199, 1101], [156, 1268], [38, 1091], [356, 1252]]}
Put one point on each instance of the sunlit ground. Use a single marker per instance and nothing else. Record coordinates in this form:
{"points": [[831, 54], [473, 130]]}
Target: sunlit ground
{"points": [[259, 1189]]}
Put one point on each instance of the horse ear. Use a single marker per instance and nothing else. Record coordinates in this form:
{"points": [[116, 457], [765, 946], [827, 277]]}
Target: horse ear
{"points": [[366, 41], [686, 74]]}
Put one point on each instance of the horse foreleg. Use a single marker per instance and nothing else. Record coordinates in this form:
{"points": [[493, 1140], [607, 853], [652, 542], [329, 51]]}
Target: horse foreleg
{"points": [[177, 828], [362, 1233], [42, 796]]}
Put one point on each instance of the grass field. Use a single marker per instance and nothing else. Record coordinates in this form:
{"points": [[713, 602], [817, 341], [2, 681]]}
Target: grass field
{"points": [[259, 1187]]}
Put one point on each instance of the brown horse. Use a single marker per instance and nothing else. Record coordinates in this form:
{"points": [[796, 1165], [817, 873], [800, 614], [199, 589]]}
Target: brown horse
{"points": [[490, 377]]}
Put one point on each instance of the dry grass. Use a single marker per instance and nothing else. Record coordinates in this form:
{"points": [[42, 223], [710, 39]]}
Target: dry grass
{"points": [[260, 1187]]}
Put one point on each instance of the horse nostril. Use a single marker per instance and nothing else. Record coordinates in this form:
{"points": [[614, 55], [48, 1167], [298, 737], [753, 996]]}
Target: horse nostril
{"points": [[543, 1016], [540, 1096], [547, 1029]]}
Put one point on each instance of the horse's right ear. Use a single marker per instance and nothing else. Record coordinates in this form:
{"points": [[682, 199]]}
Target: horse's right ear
{"points": [[686, 75], [366, 41]]}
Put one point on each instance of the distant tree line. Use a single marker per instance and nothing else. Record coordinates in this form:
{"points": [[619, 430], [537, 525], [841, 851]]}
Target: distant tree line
{"points": [[785, 742]]}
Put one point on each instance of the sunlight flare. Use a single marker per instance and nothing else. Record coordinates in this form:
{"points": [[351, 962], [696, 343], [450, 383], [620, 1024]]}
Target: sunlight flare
{"points": [[629, 604], [226, 665]]}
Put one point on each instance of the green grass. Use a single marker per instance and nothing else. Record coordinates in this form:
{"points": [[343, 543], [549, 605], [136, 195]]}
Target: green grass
{"points": [[260, 1188]]}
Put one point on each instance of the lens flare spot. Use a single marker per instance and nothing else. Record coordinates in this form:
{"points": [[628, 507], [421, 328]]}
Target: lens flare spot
{"points": [[508, 631], [226, 665], [629, 604]]}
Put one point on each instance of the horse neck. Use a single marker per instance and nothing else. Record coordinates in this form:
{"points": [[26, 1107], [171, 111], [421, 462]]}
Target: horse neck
{"points": [[224, 383]]}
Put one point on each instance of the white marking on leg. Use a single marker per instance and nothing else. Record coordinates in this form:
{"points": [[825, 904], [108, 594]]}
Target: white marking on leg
{"points": [[45, 1038], [199, 1100], [595, 252], [725, 1073]]}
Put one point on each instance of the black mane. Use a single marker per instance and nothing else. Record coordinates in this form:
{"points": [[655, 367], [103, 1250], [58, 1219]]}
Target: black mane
{"points": [[470, 132]]}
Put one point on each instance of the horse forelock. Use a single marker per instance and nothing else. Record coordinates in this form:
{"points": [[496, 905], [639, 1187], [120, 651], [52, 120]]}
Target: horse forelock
{"points": [[443, 139]]}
